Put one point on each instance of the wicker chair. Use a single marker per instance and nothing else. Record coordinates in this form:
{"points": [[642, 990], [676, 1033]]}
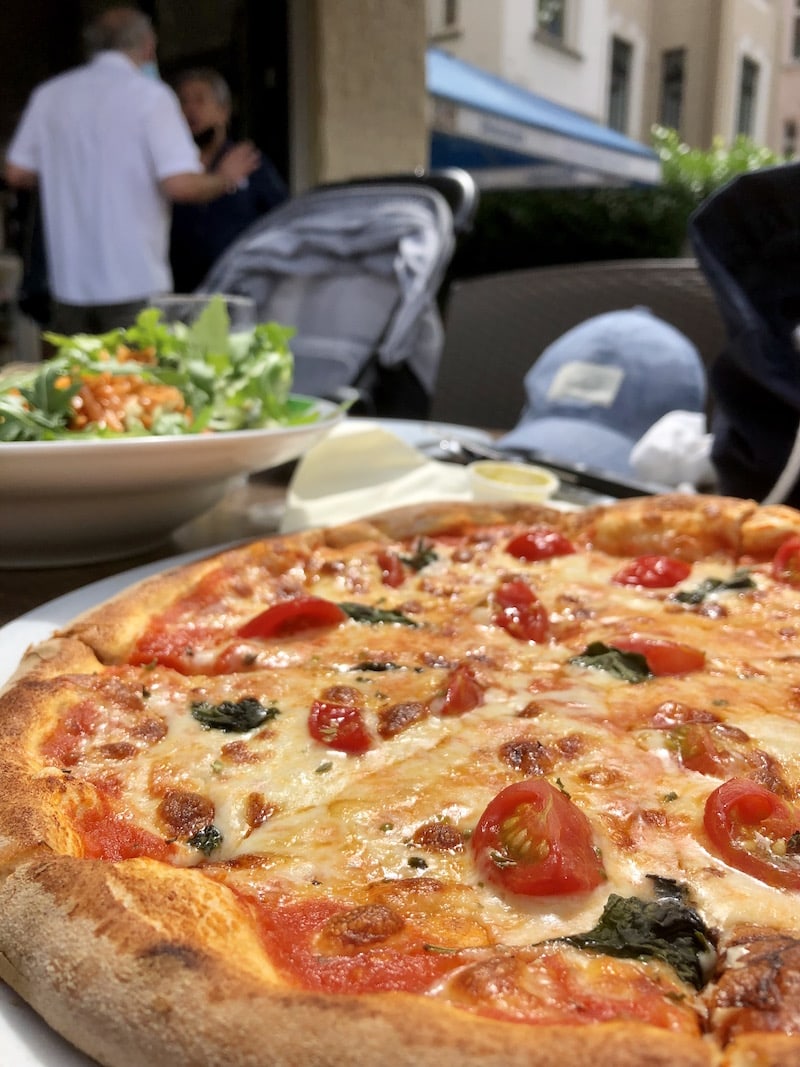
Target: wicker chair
{"points": [[498, 325]]}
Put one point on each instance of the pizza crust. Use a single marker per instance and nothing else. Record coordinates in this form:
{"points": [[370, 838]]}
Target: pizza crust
{"points": [[134, 965]]}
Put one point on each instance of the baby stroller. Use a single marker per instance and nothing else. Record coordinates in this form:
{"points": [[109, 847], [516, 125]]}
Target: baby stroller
{"points": [[356, 268]]}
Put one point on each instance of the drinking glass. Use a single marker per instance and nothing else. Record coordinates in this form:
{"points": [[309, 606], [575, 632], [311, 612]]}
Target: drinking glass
{"points": [[185, 307]]}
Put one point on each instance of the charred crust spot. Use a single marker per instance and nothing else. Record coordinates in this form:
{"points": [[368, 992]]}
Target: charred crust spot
{"points": [[342, 694], [526, 756], [572, 745], [439, 837], [150, 729], [183, 814], [394, 719], [761, 990], [531, 710], [257, 810], [673, 713], [369, 924], [118, 750], [188, 957], [239, 752]]}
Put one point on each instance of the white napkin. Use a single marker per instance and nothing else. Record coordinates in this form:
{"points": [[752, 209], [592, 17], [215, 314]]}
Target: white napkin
{"points": [[675, 451], [361, 468]]}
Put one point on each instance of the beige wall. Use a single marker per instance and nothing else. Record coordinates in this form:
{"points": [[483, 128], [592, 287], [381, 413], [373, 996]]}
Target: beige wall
{"points": [[358, 88], [787, 107], [715, 33]]}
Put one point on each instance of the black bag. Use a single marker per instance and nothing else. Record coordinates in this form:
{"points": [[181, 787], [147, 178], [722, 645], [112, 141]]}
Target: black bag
{"points": [[747, 240]]}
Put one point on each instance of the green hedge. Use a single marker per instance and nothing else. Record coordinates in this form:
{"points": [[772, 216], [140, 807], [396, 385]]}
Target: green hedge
{"points": [[522, 228], [518, 228]]}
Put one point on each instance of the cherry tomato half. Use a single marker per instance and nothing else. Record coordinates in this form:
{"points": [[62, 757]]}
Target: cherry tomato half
{"points": [[663, 656], [462, 693], [755, 831], [653, 572], [521, 614], [540, 542], [289, 617], [339, 726], [393, 573], [533, 840], [701, 748], [786, 562]]}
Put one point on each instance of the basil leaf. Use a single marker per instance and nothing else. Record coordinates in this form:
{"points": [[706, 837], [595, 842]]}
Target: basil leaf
{"points": [[206, 840], [365, 613], [740, 579], [629, 666], [664, 929], [238, 717], [424, 553]]}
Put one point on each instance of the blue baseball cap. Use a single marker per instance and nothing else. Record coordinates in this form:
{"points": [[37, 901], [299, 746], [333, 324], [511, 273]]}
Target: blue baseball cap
{"points": [[597, 389]]}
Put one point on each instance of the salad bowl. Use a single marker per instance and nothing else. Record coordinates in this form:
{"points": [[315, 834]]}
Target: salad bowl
{"points": [[92, 499], [119, 439]]}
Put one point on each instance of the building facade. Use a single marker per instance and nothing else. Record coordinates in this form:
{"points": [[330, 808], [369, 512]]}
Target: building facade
{"points": [[708, 68], [786, 128]]}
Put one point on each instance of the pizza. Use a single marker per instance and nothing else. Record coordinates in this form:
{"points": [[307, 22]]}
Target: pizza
{"points": [[470, 784]]}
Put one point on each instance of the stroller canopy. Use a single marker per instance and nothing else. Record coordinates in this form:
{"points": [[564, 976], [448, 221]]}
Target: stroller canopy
{"points": [[356, 270]]}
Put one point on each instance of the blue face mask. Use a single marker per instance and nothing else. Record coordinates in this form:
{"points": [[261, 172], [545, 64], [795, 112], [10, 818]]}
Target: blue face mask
{"points": [[150, 70]]}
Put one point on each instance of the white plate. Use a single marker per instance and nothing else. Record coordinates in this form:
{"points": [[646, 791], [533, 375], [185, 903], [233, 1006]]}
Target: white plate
{"points": [[25, 1039], [417, 433], [66, 502]]}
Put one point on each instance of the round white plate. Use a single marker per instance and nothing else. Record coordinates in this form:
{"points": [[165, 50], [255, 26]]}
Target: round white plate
{"points": [[67, 502]]}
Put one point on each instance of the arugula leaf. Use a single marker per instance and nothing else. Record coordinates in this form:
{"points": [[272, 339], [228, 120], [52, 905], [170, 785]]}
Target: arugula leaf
{"points": [[629, 666], [230, 381], [740, 579], [665, 928], [365, 613], [233, 717]]}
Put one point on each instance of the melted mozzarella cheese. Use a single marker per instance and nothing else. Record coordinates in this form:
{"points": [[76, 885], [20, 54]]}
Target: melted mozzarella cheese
{"points": [[337, 821]]}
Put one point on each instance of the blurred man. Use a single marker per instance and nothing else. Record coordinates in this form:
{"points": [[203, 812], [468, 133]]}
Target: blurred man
{"points": [[109, 148], [201, 232]]}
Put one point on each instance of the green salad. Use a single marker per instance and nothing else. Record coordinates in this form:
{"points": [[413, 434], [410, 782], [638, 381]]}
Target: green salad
{"points": [[156, 379]]}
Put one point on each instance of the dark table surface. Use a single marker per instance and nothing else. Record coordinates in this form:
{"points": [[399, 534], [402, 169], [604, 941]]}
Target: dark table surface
{"points": [[249, 510]]}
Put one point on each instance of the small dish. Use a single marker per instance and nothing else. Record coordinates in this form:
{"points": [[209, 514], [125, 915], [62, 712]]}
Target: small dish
{"points": [[92, 499], [498, 480]]}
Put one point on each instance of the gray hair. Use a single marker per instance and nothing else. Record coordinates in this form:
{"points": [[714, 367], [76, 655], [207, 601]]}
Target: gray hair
{"points": [[119, 29], [210, 77]]}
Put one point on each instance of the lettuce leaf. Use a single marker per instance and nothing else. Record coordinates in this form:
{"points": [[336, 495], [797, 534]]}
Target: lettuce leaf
{"points": [[230, 381]]}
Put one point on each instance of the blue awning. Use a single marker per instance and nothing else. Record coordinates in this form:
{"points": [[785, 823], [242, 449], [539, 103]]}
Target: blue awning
{"points": [[507, 135]]}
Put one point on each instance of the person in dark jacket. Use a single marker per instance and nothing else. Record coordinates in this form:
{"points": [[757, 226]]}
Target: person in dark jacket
{"points": [[202, 232]]}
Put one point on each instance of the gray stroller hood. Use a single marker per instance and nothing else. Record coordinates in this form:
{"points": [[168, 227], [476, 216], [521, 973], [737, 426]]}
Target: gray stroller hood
{"points": [[356, 271]]}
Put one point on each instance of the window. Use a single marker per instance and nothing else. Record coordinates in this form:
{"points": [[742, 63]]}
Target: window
{"points": [[790, 138], [619, 84], [450, 14], [748, 88], [550, 16], [673, 64]]}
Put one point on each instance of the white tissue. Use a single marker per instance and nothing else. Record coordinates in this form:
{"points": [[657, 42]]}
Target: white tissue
{"points": [[675, 451]]}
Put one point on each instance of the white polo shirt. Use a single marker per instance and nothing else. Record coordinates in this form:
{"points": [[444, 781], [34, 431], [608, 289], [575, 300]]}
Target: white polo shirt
{"points": [[100, 138]]}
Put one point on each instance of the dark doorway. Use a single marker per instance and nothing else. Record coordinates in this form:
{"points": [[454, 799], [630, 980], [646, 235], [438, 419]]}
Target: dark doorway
{"points": [[246, 40]]}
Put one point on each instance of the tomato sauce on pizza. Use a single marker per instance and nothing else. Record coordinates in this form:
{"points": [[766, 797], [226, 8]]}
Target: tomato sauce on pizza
{"points": [[500, 785]]}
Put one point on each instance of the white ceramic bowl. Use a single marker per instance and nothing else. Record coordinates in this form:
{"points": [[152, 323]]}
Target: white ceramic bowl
{"points": [[498, 480], [65, 502]]}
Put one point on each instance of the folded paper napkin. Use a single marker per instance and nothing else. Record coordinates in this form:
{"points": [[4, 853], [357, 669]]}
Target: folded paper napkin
{"points": [[676, 452], [361, 468]]}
